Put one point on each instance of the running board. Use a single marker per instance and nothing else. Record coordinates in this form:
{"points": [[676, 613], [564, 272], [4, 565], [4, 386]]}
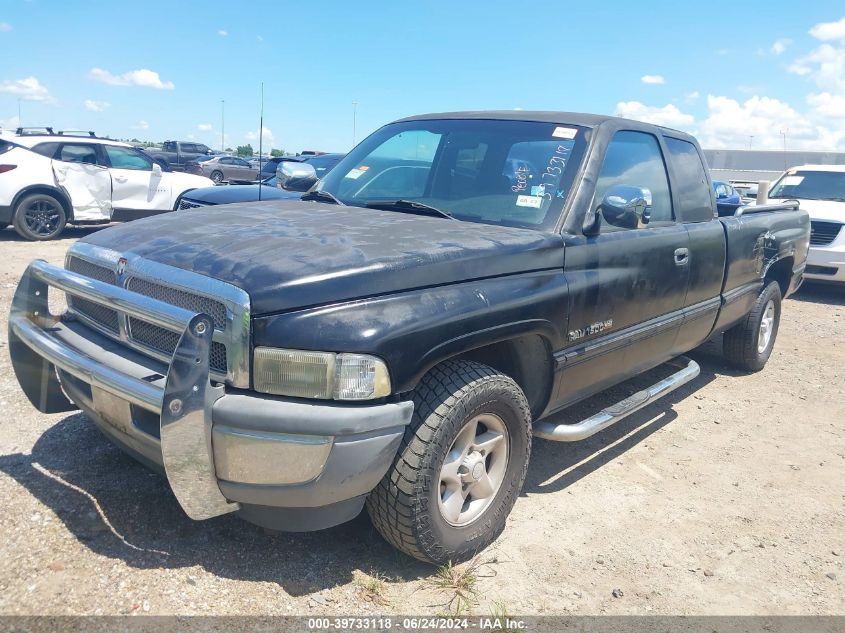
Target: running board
{"points": [[688, 369]]}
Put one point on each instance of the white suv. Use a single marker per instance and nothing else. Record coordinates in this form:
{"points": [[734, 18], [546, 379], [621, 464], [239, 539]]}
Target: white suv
{"points": [[821, 191], [47, 181]]}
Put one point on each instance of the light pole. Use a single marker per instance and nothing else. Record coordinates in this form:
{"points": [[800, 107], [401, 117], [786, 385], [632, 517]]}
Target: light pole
{"points": [[784, 133], [354, 118], [750, 141], [20, 122], [222, 125]]}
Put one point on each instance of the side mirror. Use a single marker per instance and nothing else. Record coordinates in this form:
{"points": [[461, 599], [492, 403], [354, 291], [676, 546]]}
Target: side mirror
{"points": [[721, 195], [626, 207], [156, 169], [295, 176]]}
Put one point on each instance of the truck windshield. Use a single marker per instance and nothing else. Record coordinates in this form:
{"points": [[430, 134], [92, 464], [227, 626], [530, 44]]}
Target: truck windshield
{"points": [[514, 173], [810, 185]]}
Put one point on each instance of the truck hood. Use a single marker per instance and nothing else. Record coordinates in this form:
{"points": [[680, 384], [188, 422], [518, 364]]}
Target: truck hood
{"points": [[289, 254], [826, 210]]}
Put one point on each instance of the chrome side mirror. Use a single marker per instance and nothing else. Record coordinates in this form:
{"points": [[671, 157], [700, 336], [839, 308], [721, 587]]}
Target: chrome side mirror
{"points": [[626, 207], [294, 176]]}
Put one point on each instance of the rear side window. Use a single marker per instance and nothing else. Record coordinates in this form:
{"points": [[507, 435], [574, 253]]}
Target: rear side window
{"points": [[46, 149], [78, 153], [694, 198]]}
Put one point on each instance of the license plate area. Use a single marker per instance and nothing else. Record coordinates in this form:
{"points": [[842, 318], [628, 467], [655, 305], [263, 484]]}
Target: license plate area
{"points": [[113, 410]]}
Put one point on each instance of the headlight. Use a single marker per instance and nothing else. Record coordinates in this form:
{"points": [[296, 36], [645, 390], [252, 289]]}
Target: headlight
{"points": [[303, 374]]}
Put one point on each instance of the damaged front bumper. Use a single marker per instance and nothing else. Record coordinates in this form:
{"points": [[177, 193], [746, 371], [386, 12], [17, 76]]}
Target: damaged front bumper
{"points": [[221, 452]]}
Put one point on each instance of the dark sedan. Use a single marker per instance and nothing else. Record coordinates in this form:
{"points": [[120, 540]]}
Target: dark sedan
{"points": [[209, 196]]}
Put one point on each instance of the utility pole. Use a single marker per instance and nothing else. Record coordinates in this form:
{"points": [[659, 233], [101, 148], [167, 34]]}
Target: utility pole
{"points": [[354, 118], [222, 125], [750, 141]]}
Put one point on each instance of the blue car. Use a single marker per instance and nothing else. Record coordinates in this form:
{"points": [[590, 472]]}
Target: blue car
{"points": [[728, 199]]}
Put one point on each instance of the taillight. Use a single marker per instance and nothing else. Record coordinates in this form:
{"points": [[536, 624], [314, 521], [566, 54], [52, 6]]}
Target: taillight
{"points": [[5, 168]]}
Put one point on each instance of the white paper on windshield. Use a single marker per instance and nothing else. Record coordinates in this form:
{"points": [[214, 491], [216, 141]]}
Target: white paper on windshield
{"points": [[792, 181], [355, 173], [565, 132], [534, 202]]}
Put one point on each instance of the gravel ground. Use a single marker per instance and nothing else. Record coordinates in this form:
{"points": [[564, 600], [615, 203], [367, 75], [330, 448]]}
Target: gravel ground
{"points": [[728, 497]]}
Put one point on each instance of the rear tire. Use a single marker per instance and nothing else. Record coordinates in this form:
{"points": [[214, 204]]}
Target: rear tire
{"points": [[749, 344], [39, 217], [217, 176], [460, 466]]}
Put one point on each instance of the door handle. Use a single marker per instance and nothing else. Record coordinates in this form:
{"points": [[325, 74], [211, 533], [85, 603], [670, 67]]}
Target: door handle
{"points": [[681, 256], [121, 178]]}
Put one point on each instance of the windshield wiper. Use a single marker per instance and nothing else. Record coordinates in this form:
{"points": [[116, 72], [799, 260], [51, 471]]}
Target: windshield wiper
{"points": [[408, 206], [321, 196]]}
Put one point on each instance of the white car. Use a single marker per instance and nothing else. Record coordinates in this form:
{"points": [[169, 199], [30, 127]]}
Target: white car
{"points": [[47, 181], [821, 191]]}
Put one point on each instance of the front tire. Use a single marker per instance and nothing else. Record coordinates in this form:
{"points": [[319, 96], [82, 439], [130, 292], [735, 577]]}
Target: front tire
{"points": [[460, 467], [39, 217], [217, 176], [749, 344]]}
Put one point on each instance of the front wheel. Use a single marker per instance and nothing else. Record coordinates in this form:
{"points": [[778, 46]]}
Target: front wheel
{"points": [[749, 344], [217, 176], [460, 467], [39, 217]]}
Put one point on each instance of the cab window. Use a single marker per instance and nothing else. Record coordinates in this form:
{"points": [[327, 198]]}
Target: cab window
{"points": [[635, 159]]}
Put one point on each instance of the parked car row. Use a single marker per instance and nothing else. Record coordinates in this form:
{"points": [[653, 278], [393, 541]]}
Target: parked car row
{"points": [[49, 180]]}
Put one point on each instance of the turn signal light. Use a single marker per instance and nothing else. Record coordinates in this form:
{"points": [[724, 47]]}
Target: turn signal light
{"points": [[5, 168]]}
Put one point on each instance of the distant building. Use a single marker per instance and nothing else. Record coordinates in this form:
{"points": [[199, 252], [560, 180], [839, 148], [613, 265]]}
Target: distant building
{"points": [[754, 165]]}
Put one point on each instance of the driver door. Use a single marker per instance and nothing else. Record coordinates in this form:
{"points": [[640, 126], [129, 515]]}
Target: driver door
{"points": [[137, 183], [627, 284]]}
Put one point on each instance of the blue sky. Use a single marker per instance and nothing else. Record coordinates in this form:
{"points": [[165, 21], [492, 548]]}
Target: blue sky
{"points": [[156, 70]]}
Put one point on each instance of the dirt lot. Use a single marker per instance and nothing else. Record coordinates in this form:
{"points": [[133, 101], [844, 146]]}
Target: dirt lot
{"points": [[726, 498]]}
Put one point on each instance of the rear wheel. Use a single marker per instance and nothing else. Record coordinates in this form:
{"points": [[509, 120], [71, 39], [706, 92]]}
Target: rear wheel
{"points": [[749, 344], [460, 467], [217, 176], [39, 217]]}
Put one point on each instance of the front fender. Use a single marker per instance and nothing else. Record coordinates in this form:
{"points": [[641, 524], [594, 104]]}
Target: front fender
{"points": [[415, 330]]}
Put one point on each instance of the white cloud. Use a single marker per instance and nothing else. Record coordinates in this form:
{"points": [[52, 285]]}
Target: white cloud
{"points": [[5, 26], [827, 105], [11, 123], [141, 125], [142, 77], [826, 31], [722, 51], [222, 33], [652, 79], [779, 46], [692, 97], [204, 127], [28, 89], [96, 106], [669, 115], [267, 135]]}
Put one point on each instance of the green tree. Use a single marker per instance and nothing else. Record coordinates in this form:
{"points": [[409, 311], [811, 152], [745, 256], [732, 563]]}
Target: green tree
{"points": [[277, 152], [245, 150]]}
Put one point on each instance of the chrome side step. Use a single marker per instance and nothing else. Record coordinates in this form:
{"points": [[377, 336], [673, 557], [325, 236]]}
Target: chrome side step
{"points": [[688, 369]]}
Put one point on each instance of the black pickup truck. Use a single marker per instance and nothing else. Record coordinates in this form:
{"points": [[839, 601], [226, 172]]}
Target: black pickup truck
{"points": [[175, 155], [396, 337]]}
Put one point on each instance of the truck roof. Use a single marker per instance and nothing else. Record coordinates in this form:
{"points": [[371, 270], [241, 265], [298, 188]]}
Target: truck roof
{"points": [[544, 116]]}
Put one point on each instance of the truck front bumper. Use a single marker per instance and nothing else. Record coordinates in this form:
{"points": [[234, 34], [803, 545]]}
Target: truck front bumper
{"points": [[283, 463]]}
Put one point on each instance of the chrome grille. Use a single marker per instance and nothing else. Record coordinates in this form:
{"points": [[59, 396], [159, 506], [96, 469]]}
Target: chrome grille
{"points": [[823, 233], [176, 297], [105, 317], [227, 306], [165, 342]]}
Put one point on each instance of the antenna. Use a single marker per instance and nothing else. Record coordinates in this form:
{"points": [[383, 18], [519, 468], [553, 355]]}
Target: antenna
{"points": [[260, 140]]}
